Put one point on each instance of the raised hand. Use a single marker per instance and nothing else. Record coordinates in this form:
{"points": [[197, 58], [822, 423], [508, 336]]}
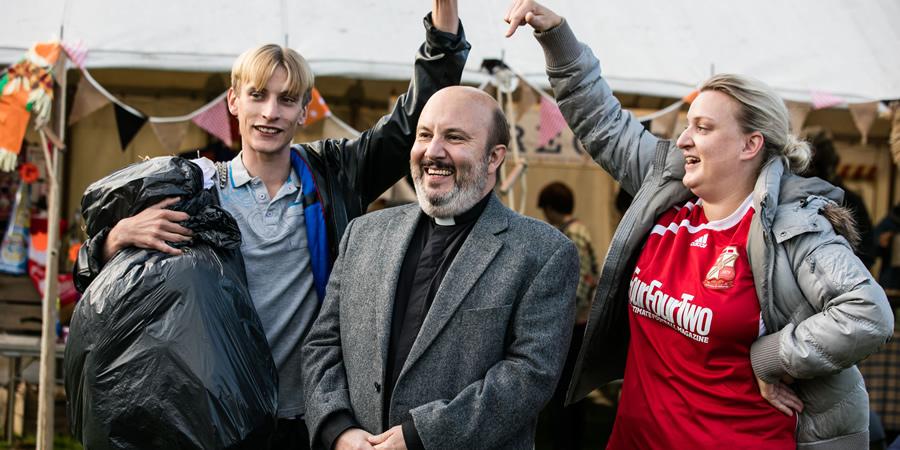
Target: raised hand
{"points": [[530, 12], [445, 15]]}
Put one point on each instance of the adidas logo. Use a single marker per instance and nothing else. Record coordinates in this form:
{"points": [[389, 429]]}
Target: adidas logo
{"points": [[700, 241]]}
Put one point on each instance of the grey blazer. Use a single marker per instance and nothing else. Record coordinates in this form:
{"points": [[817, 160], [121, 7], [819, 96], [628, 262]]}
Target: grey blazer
{"points": [[489, 353]]}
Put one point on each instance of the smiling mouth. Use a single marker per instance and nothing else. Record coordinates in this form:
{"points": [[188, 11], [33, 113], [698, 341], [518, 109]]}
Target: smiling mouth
{"points": [[692, 160], [267, 130], [435, 172]]}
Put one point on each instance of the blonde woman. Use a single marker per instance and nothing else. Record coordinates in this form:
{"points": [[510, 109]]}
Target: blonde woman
{"points": [[730, 300]]}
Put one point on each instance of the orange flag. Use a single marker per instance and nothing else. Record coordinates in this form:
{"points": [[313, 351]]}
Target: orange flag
{"points": [[318, 110]]}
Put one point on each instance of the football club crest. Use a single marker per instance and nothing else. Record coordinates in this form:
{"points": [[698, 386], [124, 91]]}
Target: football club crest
{"points": [[721, 276]]}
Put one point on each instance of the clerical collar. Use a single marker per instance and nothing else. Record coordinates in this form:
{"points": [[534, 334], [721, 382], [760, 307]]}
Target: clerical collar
{"points": [[472, 214]]}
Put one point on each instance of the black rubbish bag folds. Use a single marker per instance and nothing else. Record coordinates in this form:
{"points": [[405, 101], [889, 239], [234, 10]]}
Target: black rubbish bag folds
{"points": [[167, 351]]}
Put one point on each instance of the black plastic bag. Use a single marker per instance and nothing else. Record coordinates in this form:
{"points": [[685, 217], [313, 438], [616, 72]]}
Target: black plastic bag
{"points": [[168, 351]]}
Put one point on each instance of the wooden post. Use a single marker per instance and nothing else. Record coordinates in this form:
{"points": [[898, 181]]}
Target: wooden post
{"points": [[46, 388]]}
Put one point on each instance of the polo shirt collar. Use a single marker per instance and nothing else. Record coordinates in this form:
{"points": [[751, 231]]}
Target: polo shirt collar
{"points": [[240, 176]]}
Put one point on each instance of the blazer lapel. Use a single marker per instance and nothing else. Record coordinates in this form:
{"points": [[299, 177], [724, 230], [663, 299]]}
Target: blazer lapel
{"points": [[472, 260], [391, 252]]}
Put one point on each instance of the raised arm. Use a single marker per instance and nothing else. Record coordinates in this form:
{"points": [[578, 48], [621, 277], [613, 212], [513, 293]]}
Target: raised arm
{"points": [[445, 16], [371, 163], [522, 12], [612, 136]]}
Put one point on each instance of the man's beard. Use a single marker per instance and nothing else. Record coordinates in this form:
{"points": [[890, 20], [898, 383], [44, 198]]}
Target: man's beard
{"points": [[468, 186]]}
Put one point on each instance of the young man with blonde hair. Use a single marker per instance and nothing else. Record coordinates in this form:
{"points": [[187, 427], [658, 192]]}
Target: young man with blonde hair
{"points": [[292, 203]]}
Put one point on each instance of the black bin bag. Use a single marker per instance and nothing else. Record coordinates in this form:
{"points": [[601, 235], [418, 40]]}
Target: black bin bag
{"points": [[167, 352]]}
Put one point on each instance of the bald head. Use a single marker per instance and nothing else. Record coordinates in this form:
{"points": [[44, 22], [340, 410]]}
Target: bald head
{"points": [[461, 141], [474, 102]]}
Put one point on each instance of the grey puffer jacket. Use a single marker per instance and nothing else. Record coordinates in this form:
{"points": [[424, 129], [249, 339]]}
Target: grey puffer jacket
{"points": [[821, 307]]}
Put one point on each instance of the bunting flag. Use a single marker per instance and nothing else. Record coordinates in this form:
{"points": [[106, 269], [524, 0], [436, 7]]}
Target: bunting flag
{"points": [[894, 139], [58, 68], [864, 115], [690, 97], [798, 112], [235, 128], [822, 99], [170, 134], [526, 101], [87, 100], [128, 125], [318, 110], [552, 121], [215, 121], [77, 52]]}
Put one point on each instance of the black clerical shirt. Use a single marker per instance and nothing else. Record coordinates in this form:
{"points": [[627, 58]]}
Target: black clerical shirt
{"points": [[431, 252]]}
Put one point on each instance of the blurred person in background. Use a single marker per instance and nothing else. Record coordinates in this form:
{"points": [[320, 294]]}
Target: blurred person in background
{"points": [[567, 422]]}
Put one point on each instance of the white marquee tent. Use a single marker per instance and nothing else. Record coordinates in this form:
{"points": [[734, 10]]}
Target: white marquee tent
{"points": [[661, 48], [655, 48]]}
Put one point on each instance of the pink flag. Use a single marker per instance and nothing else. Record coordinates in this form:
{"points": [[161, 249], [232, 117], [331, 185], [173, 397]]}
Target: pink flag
{"points": [[77, 52], [822, 99], [552, 121], [215, 121]]}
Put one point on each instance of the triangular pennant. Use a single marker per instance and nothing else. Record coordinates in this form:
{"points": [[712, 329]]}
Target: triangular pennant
{"points": [[822, 99], [665, 124], [798, 112], [216, 122], [690, 97], [895, 131], [87, 100], [864, 116], [58, 68], [552, 121], [170, 134], [318, 110], [77, 52], [527, 100], [235, 128], [128, 125]]}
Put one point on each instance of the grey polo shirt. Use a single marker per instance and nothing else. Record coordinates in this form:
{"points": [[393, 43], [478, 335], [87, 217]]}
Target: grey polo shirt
{"points": [[276, 255]]}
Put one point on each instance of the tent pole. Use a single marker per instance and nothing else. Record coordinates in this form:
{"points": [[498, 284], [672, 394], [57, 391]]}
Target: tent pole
{"points": [[46, 396]]}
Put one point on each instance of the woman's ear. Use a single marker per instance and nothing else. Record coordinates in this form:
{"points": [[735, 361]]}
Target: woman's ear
{"points": [[753, 144]]}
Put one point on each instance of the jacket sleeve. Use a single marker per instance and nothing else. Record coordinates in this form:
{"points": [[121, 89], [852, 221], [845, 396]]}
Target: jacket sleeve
{"points": [[612, 136], [379, 157], [852, 317], [489, 411], [324, 378]]}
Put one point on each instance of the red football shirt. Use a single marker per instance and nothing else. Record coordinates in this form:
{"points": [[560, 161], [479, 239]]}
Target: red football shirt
{"points": [[693, 314]]}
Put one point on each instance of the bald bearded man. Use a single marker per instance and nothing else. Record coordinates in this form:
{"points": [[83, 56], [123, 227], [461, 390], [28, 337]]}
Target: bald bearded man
{"points": [[446, 322]]}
